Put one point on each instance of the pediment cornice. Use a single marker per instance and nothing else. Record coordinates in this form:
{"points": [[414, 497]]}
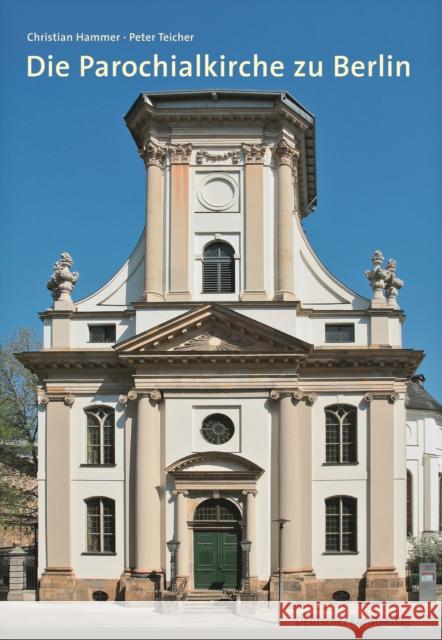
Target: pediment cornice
{"points": [[184, 468], [212, 329]]}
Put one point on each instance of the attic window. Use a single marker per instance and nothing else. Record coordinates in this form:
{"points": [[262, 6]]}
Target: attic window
{"points": [[339, 332], [102, 333]]}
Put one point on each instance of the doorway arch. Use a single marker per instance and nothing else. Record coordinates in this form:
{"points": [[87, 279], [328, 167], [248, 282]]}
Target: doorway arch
{"points": [[217, 530]]}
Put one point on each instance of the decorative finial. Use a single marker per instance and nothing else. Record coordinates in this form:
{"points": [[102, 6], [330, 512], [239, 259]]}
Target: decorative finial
{"points": [[376, 277], [62, 282], [393, 284], [383, 279]]}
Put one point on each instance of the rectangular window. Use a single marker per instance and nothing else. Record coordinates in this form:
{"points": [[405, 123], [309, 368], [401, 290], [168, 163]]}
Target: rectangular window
{"points": [[102, 333], [340, 525], [339, 332], [100, 525]]}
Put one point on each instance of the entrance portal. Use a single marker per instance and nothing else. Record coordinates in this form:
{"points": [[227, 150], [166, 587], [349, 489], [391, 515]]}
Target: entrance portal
{"points": [[217, 550]]}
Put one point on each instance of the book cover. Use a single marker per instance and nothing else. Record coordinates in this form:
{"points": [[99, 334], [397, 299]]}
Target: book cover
{"points": [[220, 278]]}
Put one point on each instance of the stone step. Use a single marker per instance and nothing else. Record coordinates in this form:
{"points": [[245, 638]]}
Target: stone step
{"points": [[206, 595]]}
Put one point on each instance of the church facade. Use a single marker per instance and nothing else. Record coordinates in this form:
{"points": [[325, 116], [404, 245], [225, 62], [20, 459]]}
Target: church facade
{"points": [[223, 386]]}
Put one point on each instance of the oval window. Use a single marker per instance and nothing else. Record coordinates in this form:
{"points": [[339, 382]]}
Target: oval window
{"points": [[217, 428], [100, 596]]}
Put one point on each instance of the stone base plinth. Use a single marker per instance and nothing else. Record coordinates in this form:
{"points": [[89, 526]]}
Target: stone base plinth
{"points": [[86, 587], [141, 587], [385, 585], [306, 586], [57, 585], [294, 585]]}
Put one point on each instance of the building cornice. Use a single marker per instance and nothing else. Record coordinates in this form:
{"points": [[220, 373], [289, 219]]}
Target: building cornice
{"points": [[404, 361], [72, 315]]}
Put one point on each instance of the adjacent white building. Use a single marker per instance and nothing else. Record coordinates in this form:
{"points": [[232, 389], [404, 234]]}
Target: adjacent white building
{"points": [[223, 384], [424, 460]]}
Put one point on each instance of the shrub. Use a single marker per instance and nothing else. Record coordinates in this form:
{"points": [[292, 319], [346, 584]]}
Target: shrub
{"points": [[425, 548]]}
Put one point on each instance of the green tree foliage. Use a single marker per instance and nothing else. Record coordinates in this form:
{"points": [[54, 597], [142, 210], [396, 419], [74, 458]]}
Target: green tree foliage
{"points": [[425, 548], [18, 433]]}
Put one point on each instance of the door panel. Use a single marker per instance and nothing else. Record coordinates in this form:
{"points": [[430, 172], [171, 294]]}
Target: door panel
{"points": [[217, 559], [228, 557], [206, 559]]}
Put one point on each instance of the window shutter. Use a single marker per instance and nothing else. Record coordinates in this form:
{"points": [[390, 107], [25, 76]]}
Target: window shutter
{"points": [[218, 269], [227, 277], [210, 277]]}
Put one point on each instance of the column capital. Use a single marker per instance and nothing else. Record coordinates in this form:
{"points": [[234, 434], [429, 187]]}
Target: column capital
{"points": [[295, 394], [184, 492], [254, 153], [152, 154], [153, 394], [277, 394], [44, 398], [302, 396], [125, 398], [179, 153], [246, 492], [285, 153], [391, 396]]}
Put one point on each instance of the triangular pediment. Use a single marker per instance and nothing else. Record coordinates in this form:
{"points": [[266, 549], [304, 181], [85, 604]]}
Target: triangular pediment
{"points": [[212, 328], [210, 463]]}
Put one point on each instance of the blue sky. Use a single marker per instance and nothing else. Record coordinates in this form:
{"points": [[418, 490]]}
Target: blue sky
{"points": [[71, 178]]}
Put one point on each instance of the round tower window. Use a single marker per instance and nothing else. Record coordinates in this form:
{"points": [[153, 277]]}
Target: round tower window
{"points": [[217, 428]]}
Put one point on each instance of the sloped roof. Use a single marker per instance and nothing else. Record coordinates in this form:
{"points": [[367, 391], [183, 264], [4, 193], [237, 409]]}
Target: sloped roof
{"points": [[419, 398]]}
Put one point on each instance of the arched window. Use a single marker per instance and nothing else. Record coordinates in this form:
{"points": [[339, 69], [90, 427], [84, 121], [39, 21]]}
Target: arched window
{"points": [[218, 268], [100, 525], [217, 510], [340, 434], [100, 435], [409, 503], [340, 524]]}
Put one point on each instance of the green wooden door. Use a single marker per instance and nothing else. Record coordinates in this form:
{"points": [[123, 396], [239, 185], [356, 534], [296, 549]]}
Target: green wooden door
{"points": [[216, 558]]}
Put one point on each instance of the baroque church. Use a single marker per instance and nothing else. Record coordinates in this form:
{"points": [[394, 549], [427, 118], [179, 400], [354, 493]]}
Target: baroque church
{"points": [[223, 416]]}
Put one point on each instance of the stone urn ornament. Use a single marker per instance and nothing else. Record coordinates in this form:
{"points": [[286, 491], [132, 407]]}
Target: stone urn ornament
{"points": [[62, 282], [383, 281]]}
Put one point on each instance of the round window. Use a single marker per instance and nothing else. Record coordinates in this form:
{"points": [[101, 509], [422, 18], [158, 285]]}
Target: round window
{"points": [[217, 428]]}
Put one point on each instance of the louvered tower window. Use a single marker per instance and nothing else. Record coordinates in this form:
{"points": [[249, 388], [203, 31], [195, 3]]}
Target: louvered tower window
{"points": [[218, 268]]}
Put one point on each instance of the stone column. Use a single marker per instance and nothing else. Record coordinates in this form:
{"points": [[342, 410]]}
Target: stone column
{"points": [[147, 516], [182, 535], [295, 490], [285, 156], [154, 156], [382, 582], [179, 222], [128, 401], [254, 269], [431, 492], [251, 534], [58, 580]]}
